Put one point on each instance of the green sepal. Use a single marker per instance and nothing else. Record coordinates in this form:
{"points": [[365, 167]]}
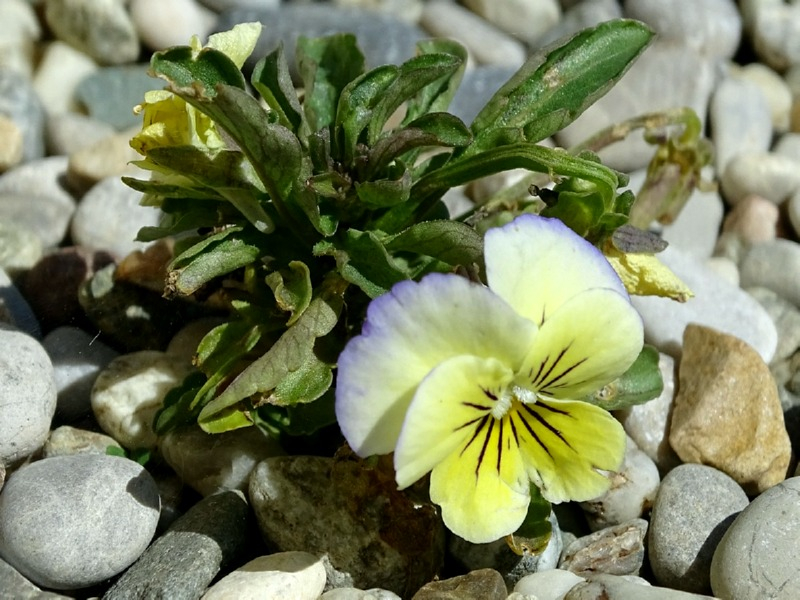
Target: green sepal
{"points": [[640, 383]]}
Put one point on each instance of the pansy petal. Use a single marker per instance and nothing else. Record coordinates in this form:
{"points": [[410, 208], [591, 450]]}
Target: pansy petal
{"points": [[536, 264], [482, 486], [588, 342], [447, 407], [407, 333], [563, 443]]}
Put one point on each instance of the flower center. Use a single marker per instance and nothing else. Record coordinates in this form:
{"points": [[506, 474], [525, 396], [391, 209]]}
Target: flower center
{"points": [[512, 393]]}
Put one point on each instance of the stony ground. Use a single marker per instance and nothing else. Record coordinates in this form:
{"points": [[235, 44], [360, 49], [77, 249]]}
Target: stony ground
{"points": [[706, 501]]}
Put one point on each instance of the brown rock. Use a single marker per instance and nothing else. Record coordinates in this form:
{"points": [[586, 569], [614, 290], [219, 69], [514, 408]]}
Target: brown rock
{"points": [[617, 550], [727, 413], [484, 584]]}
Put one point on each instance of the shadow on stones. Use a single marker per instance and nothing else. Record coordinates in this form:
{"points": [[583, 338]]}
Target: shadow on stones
{"points": [[142, 490]]}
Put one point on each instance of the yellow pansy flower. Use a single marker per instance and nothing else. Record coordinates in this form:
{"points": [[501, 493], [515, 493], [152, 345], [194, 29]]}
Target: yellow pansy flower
{"points": [[481, 386]]}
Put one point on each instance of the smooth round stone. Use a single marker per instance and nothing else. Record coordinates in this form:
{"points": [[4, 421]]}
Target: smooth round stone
{"points": [[754, 220], [774, 28], [407, 10], [27, 395], [100, 28], [129, 391], [740, 120], [66, 441], [350, 593], [20, 248], [775, 90], [771, 176], [69, 132], [618, 550], [743, 317], [694, 507], [771, 265], [537, 15], [93, 516], [46, 217], [15, 310], [788, 145], [19, 31], [109, 217], [295, 574], [786, 317], [210, 463], [725, 268], [15, 585], [486, 44], [648, 424], [43, 177], [476, 89], [77, 359], [60, 70], [222, 5], [711, 27], [20, 104], [586, 13], [666, 75], [11, 144], [164, 23], [109, 94], [109, 157], [552, 584], [757, 556], [632, 492]]}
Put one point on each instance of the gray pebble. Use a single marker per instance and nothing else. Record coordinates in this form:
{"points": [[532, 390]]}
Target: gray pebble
{"points": [[182, 562], [757, 556], [66, 441], [109, 218], [587, 13], [786, 317], [20, 103], [712, 27], [294, 574], [694, 507], [617, 550], [46, 217], [538, 16], [15, 310], [101, 28], [27, 395], [772, 176], [20, 248], [740, 120], [77, 360], [476, 89], [612, 587], [60, 69], [69, 132], [717, 304], [13, 585], [93, 516], [109, 94], [351, 593], [43, 178], [767, 265]]}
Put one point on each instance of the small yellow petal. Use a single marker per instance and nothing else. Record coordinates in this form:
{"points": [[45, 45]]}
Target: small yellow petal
{"points": [[238, 43], [645, 275]]}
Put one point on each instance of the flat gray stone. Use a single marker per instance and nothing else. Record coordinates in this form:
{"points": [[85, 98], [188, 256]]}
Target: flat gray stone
{"points": [[93, 516], [109, 94], [14, 585]]}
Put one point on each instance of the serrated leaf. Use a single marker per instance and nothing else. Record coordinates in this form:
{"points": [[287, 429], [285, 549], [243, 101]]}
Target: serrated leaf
{"points": [[449, 241], [272, 81], [640, 383], [437, 95], [207, 70]]}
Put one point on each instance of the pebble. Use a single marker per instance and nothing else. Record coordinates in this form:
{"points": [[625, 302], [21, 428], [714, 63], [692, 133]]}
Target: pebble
{"points": [[368, 528], [109, 94], [632, 492], [617, 550], [164, 23], [181, 563], [212, 463], [587, 13], [665, 320], [93, 517], [60, 70], [772, 176], [39, 178], [788, 145], [409, 11], [484, 43], [20, 248], [696, 228], [350, 593], [666, 75], [756, 557], [711, 27], [46, 217], [694, 507], [793, 210], [11, 144], [129, 391], [100, 28], [477, 87], [727, 413], [740, 120], [69, 132], [66, 441], [27, 395], [20, 103], [19, 30], [382, 38], [14, 585], [77, 359], [482, 584], [52, 284], [786, 317], [296, 575], [766, 265], [648, 424], [775, 90], [526, 19], [109, 218], [185, 342], [223, 5], [612, 587], [754, 220], [106, 158], [724, 268], [548, 585], [15, 310], [772, 27]]}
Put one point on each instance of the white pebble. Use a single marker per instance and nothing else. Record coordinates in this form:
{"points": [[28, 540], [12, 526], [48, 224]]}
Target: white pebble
{"points": [[766, 174], [775, 90], [164, 23]]}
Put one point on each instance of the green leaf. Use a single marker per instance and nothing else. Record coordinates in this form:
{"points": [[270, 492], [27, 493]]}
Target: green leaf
{"points": [[304, 385], [437, 95], [271, 79], [384, 192], [288, 354], [207, 70], [292, 289], [177, 407], [327, 65], [534, 534], [412, 77], [449, 241], [558, 83], [640, 383]]}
